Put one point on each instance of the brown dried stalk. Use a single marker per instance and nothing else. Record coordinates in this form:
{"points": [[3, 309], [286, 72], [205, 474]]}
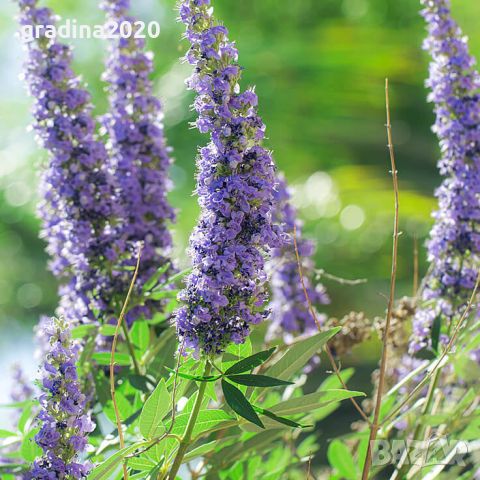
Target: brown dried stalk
{"points": [[112, 358], [383, 363], [319, 327]]}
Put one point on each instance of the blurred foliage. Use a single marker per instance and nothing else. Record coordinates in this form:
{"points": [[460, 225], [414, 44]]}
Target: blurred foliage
{"points": [[319, 68]]}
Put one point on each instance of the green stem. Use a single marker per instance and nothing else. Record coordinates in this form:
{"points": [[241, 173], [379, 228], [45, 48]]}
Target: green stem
{"points": [[130, 347], [187, 438], [419, 427]]}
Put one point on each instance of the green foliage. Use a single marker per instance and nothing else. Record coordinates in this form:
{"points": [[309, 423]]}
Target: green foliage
{"points": [[239, 404], [342, 461], [153, 431], [156, 407]]}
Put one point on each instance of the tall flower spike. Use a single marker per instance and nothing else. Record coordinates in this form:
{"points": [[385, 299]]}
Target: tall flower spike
{"points": [[63, 418], [225, 294], [137, 146], [290, 311], [454, 245], [77, 187]]}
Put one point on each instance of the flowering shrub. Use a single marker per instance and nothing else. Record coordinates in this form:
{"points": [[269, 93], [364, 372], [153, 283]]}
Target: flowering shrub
{"points": [[154, 373]]}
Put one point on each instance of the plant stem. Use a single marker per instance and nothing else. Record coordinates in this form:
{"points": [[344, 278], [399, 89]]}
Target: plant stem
{"points": [[419, 428], [131, 350], [383, 363], [187, 437], [112, 360]]}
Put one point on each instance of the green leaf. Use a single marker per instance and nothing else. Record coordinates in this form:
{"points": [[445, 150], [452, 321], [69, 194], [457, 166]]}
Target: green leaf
{"points": [[436, 329], [257, 380], [299, 354], [332, 381], [206, 421], [177, 276], [105, 470], [140, 335], [240, 350], [103, 358], [278, 419], [250, 362], [141, 463], [25, 416], [153, 280], [29, 449], [123, 405], [108, 330], [254, 445], [158, 404], [6, 434], [196, 378], [239, 404], [161, 294], [140, 382], [201, 450], [312, 401], [82, 331], [341, 459]]}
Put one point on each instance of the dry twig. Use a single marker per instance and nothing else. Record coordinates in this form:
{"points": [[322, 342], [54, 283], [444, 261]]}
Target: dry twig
{"points": [[383, 364]]}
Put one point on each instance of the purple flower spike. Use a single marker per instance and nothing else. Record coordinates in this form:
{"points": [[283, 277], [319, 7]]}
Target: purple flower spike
{"points": [[290, 310], [77, 186], [454, 245], [99, 203], [225, 294], [140, 155], [64, 421]]}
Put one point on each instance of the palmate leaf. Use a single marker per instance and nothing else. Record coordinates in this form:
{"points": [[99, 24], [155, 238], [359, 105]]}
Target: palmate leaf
{"points": [[299, 354], [257, 380], [250, 362], [158, 404], [239, 404]]}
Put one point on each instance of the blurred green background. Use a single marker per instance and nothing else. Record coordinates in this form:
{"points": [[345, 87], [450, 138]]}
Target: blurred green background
{"points": [[319, 68]]}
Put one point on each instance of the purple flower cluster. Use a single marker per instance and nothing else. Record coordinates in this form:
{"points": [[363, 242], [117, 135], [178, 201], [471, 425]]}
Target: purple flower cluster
{"points": [[64, 421], [225, 294], [138, 150], [454, 245], [77, 186], [98, 204], [290, 310]]}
